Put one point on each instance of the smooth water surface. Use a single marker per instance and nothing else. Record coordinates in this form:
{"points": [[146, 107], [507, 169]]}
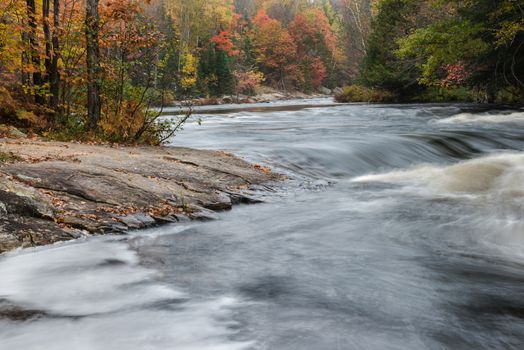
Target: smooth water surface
{"points": [[401, 227]]}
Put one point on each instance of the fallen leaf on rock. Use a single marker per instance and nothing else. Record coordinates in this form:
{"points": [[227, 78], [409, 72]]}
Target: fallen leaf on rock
{"points": [[264, 169]]}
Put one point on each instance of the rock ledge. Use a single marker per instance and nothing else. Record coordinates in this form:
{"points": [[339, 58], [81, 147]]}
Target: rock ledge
{"points": [[61, 191]]}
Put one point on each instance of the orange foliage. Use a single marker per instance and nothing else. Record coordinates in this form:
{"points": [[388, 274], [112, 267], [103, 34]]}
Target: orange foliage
{"points": [[274, 47], [224, 42], [316, 44]]}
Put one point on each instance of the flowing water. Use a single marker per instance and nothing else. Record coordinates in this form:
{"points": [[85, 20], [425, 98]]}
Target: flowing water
{"points": [[401, 227]]}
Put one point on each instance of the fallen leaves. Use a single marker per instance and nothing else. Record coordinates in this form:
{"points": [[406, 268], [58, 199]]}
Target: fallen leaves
{"points": [[264, 169], [47, 158], [119, 210]]}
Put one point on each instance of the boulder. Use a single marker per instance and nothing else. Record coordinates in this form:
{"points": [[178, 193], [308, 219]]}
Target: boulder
{"points": [[227, 99], [324, 90], [11, 132], [338, 90], [16, 198], [270, 97]]}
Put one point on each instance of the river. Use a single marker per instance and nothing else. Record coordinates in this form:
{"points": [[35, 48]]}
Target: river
{"points": [[401, 227]]}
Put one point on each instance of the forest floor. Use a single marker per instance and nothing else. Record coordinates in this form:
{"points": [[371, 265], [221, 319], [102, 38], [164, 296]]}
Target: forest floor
{"points": [[54, 191]]}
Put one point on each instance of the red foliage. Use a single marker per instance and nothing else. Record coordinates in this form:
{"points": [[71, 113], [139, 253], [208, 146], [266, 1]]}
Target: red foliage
{"points": [[318, 72], [456, 75], [274, 46], [247, 81], [311, 31], [224, 42], [316, 43]]}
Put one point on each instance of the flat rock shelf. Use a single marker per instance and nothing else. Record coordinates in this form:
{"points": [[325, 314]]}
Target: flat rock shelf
{"points": [[55, 191]]}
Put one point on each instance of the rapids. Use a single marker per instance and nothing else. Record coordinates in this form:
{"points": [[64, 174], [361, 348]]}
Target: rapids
{"points": [[401, 227]]}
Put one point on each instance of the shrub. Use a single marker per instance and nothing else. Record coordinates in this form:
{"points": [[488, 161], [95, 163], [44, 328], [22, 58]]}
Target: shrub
{"points": [[438, 94], [20, 113], [358, 93], [247, 81], [9, 157]]}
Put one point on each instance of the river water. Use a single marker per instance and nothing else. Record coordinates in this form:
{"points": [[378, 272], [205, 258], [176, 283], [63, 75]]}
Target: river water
{"points": [[401, 227]]}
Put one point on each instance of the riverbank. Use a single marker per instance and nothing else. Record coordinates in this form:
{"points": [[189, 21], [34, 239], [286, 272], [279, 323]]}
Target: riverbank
{"points": [[264, 95], [54, 191]]}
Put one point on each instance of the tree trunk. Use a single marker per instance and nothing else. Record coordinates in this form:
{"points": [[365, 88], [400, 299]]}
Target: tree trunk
{"points": [[47, 40], [93, 64], [54, 74], [491, 93], [33, 48]]}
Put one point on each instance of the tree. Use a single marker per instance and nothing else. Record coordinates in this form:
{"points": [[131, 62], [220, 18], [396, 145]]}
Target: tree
{"points": [[247, 82], [356, 16], [51, 39], [12, 44], [317, 46], [54, 74], [92, 30], [188, 73], [34, 52], [275, 50], [441, 44], [381, 68], [224, 42], [486, 38]]}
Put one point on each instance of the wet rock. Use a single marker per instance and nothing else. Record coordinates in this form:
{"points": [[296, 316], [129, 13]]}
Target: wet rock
{"points": [[136, 221], [237, 198], [299, 95], [82, 224], [15, 313], [20, 231], [202, 214]]}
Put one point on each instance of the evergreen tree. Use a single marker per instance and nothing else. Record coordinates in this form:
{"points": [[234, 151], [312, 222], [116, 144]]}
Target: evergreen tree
{"points": [[223, 72], [381, 68], [215, 77]]}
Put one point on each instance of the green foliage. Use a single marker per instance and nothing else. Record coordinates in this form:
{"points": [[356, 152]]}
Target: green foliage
{"points": [[71, 128], [435, 50], [9, 157], [443, 43], [214, 73], [440, 94], [381, 68], [358, 93], [225, 80]]}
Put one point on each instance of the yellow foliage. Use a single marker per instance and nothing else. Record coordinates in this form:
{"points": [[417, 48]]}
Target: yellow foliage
{"points": [[189, 71], [124, 124], [195, 19], [11, 45]]}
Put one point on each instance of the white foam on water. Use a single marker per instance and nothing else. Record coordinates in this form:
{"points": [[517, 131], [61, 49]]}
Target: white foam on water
{"points": [[195, 327], [80, 279], [496, 175], [503, 232], [465, 118], [494, 183], [96, 295]]}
